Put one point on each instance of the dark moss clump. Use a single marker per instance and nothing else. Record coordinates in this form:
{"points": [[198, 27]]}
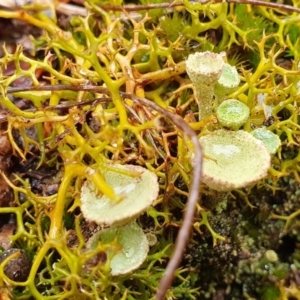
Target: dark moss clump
{"points": [[257, 256]]}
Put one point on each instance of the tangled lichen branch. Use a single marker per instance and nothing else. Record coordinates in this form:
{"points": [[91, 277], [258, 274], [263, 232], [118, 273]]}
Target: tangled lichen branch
{"points": [[184, 232]]}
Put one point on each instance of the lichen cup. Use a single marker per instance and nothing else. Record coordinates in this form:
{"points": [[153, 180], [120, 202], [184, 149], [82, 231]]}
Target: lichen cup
{"points": [[227, 83], [137, 187], [204, 70], [232, 114], [233, 159], [127, 247]]}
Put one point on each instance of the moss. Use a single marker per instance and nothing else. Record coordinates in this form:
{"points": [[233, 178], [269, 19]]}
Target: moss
{"points": [[172, 26], [242, 264]]}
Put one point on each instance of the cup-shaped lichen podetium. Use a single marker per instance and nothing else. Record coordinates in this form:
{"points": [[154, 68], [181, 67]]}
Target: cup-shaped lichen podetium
{"points": [[128, 247], [227, 83], [234, 159], [204, 70], [136, 186], [232, 114]]}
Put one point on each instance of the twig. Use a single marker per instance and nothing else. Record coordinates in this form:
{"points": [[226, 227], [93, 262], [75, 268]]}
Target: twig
{"points": [[82, 103], [267, 4], [70, 9], [59, 87], [184, 232], [185, 229], [133, 7], [74, 10]]}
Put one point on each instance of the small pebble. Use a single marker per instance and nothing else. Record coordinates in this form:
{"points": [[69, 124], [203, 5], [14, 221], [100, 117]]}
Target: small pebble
{"points": [[18, 268]]}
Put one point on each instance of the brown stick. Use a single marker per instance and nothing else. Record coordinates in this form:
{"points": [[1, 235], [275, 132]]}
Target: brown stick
{"points": [[185, 229], [70, 9], [131, 7]]}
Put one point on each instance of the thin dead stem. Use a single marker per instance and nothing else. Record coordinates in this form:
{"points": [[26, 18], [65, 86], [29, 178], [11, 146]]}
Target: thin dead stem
{"points": [[70, 9], [184, 232], [132, 7]]}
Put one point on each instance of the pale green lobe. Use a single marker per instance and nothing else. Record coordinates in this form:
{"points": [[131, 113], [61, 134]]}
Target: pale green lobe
{"points": [[137, 186], [270, 140], [232, 114], [233, 159]]}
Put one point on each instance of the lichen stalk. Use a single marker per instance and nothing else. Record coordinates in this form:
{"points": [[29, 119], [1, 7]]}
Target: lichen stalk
{"points": [[204, 70]]}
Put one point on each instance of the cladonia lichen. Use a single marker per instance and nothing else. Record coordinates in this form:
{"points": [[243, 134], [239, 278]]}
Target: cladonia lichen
{"points": [[235, 159], [127, 247], [204, 70], [136, 186]]}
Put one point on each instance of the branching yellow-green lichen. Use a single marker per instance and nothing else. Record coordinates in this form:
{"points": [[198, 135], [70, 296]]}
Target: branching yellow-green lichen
{"points": [[138, 58]]}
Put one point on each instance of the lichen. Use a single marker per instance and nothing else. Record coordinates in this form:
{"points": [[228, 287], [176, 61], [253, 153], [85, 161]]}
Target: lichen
{"points": [[84, 82], [232, 114], [234, 159]]}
